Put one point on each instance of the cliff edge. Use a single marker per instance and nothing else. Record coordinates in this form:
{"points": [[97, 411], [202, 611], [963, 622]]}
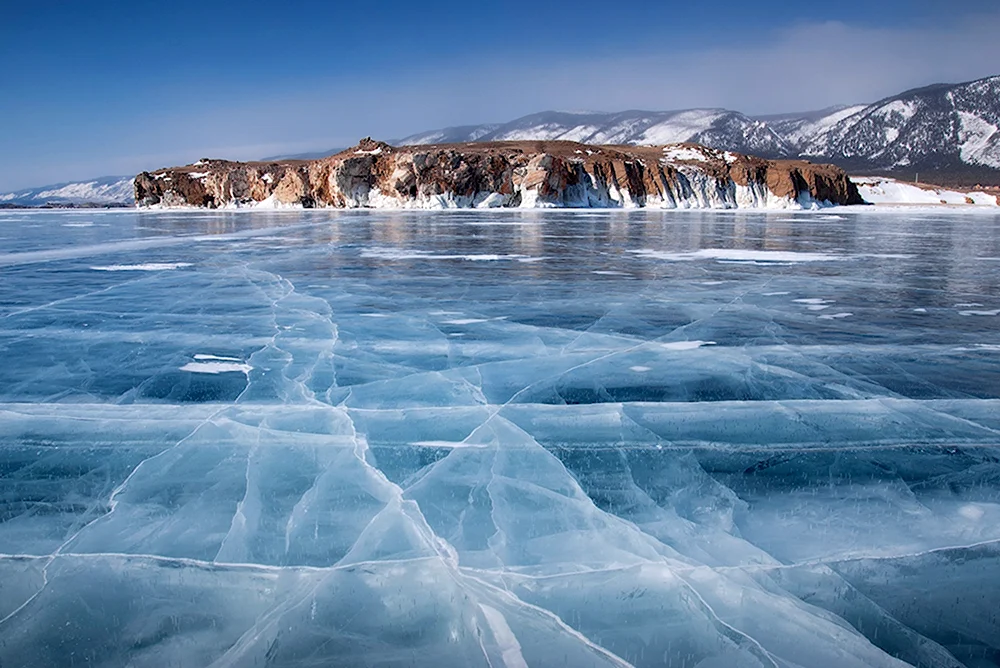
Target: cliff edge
{"points": [[503, 174]]}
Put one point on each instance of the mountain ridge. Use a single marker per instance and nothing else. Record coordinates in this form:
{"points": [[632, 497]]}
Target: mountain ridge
{"points": [[949, 133], [103, 190]]}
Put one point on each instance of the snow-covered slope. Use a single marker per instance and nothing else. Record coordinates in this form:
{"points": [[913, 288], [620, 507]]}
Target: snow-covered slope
{"points": [[937, 127], [881, 190], [104, 190], [803, 130], [716, 128], [951, 128]]}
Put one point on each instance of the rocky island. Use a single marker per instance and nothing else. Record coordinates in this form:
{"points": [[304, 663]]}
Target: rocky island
{"points": [[503, 174]]}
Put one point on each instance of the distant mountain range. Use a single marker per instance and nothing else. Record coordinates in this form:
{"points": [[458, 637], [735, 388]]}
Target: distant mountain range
{"points": [[948, 132], [104, 190]]}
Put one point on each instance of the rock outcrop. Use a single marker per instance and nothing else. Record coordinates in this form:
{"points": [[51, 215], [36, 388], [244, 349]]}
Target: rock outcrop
{"points": [[504, 174]]}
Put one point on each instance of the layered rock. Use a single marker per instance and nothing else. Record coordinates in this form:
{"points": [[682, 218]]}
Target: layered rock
{"points": [[504, 174]]}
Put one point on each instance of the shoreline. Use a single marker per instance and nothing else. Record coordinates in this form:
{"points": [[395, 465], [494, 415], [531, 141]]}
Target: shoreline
{"points": [[881, 207]]}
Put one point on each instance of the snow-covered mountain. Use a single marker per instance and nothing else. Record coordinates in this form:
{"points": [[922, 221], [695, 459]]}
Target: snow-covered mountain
{"points": [[950, 129], [717, 128], [810, 127], [950, 133], [937, 127], [105, 191]]}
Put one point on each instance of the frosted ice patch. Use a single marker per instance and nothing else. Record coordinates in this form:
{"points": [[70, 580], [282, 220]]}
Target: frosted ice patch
{"points": [[835, 316], [815, 301], [88, 224], [149, 266], [505, 223], [602, 272], [686, 345], [971, 512], [216, 367], [737, 255], [979, 348], [640, 369], [968, 305], [920, 310], [510, 649], [776, 294], [995, 311]]}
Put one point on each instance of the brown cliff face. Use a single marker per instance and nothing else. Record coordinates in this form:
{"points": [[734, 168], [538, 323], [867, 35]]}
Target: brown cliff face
{"points": [[522, 173]]}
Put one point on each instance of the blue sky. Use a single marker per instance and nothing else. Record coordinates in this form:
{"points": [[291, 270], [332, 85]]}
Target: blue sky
{"points": [[95, 88]]}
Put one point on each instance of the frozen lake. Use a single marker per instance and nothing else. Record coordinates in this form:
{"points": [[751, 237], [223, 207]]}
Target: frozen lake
{"points": [[535, 438]]}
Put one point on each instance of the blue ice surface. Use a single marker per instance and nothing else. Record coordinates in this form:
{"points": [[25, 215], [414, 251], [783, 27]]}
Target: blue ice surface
{"points": [[540, 438]]}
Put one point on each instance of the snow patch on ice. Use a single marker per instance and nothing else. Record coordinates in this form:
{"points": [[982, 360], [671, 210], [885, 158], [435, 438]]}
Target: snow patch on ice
{"points": [[217, 358], [686, 345], [401, 254], [216, 367], [148, 266], [737, 255]]}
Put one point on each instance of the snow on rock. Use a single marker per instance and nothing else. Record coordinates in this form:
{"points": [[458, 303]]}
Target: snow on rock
{"points": [[684, 153]]}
